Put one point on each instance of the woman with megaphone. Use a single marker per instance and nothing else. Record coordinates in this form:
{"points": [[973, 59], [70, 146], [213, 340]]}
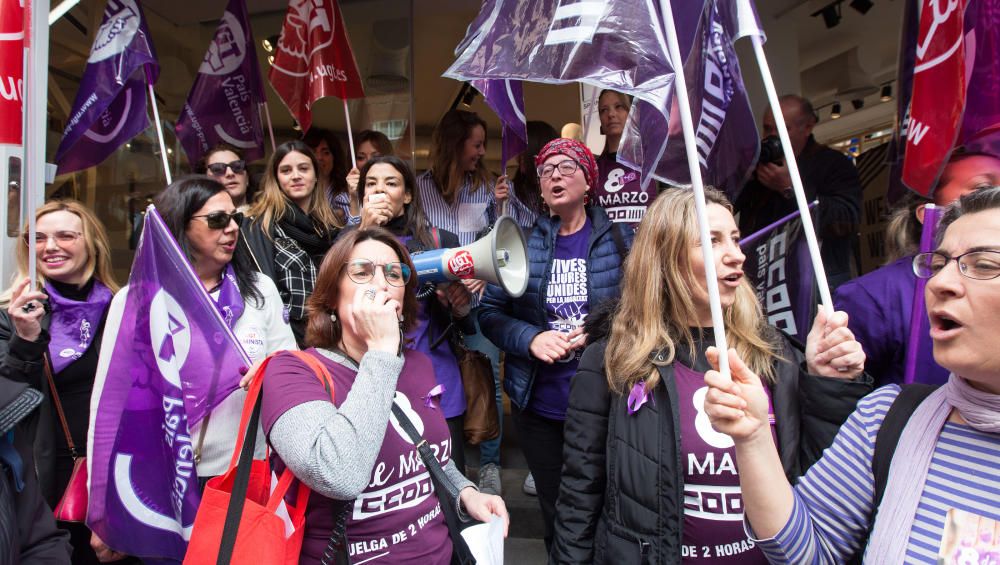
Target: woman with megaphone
{"points": [[575, 257], [387, 191]]}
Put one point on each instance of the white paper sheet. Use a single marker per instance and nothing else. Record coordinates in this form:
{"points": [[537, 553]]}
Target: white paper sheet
{"points": [[486, 541]]}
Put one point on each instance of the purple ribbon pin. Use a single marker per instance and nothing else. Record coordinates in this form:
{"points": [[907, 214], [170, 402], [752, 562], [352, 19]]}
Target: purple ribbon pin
{"points": [[437, 391], [637, 397]]}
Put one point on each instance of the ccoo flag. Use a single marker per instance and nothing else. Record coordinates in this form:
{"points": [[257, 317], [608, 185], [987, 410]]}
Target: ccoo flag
{"points": [[725, 132], [224, 102], [313, 59], [608, 44], [173, 360], [506, 98], [110, 106]]}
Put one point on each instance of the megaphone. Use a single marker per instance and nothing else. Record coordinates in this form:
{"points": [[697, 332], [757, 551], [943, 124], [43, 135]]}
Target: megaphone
{"points": [[499, 257]]}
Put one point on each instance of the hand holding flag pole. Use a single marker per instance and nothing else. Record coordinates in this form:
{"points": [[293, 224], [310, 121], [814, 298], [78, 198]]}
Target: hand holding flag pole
{"points": [[809, 230], [694, 166]]}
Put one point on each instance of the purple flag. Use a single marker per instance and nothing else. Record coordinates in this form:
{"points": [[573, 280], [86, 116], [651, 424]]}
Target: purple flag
{"points": [[224, 102], [781, 272], [618, 45], [110, 106], [174, 359], [981, 121], [725, 131], [506, 98]]}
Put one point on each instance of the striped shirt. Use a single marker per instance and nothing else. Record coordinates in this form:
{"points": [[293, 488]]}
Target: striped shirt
{"points": [[472, 210], [833, 502]]}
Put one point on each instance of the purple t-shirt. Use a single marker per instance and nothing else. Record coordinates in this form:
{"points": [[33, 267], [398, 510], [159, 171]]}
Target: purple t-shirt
{"points": [[619, 191], [397, 518], [566, 307], [713, 503]]}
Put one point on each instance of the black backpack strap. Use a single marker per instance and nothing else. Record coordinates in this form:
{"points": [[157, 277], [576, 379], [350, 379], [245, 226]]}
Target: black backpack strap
{"points": [[909, 398]]}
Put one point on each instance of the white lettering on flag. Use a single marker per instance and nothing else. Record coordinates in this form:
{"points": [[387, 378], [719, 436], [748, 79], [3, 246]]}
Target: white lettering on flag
{"points": [[587, 14]]}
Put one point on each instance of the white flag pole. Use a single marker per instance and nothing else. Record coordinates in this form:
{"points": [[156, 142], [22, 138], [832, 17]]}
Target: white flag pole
{"points": [[270, 128], [684, 106], [350, 135], [159, 129], [793, 168], [35, 94]]}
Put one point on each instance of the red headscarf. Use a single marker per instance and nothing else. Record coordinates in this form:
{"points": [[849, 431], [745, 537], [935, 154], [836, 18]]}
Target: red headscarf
{"points": [[574, 150]]}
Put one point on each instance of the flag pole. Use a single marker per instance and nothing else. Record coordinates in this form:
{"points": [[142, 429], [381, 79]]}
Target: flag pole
{"points": [[350, 135], [503, 167], [918, 308], [159, 128], [793, 169], [270, 128], [35, 71], [701, 209]]}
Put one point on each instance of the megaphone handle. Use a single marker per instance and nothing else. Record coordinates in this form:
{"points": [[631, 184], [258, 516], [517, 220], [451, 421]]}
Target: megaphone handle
{"points": [[503, 206]]}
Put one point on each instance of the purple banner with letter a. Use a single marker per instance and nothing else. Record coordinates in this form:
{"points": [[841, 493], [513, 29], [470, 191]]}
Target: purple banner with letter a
{"points": [[616, 44], [110, 106], [174, 360], [224, 103], [506, 98], [725, 133], [778, 266]]}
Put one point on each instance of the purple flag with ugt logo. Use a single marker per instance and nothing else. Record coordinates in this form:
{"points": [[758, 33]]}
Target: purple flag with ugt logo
{"points": [[227, 93], [110, 106], [726, 136], [506, 98], [174, 360], [608, 44]]}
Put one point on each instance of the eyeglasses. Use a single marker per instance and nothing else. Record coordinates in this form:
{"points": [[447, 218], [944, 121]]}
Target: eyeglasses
{"points": [[978, 265], [566, 168], [220, 220], [362, 270], [219, 169], [63, 238]]}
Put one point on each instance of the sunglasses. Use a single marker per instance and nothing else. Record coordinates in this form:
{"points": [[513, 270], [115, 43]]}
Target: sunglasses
{"points": [[219, 169], [220, 220], [63, 238]]}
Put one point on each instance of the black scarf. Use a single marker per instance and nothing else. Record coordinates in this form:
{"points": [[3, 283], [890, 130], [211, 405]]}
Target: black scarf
{"points": [[314, 238]]}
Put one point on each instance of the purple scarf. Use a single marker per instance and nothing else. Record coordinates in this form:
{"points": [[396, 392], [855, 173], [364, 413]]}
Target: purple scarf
{"points": [[229, 302], [912, 459], [74, 324]]}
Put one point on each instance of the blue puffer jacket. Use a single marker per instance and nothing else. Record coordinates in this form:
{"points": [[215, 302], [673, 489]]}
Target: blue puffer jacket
{"points": [[511, 323]]}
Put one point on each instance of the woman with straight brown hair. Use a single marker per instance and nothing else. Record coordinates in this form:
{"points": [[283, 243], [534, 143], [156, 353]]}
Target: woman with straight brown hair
{"points": [[51, 336], [351, 450], [645, 478], [291, 228]]}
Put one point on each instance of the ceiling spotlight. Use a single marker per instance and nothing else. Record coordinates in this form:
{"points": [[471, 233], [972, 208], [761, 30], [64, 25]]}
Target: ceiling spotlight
{"points": [[835, 111], [469, 97], [858, 103], [295, 125], [862, 6], [270, 60], [886, 93], [269, 43], [830, 13]]}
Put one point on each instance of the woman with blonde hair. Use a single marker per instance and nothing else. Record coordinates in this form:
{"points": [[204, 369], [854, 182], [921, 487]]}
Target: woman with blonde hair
{"points": [[292, 226], [645, 478], [50, 336]]}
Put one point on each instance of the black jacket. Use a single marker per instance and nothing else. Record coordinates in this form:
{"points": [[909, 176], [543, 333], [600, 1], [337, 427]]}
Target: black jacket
{"points": [[827, 175], [28, 532], [621, 499]]}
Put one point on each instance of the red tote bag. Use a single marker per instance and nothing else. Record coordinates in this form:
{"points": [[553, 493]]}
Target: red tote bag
{"points": [[237, 521]]}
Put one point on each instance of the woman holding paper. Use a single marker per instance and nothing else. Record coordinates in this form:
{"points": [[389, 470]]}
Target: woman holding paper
{"points": [[202, 217], [292, 226], [389, 193], [645, 479], [940, 469], [372, 496], [880, 303], [50, 335], [575, 256]]}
